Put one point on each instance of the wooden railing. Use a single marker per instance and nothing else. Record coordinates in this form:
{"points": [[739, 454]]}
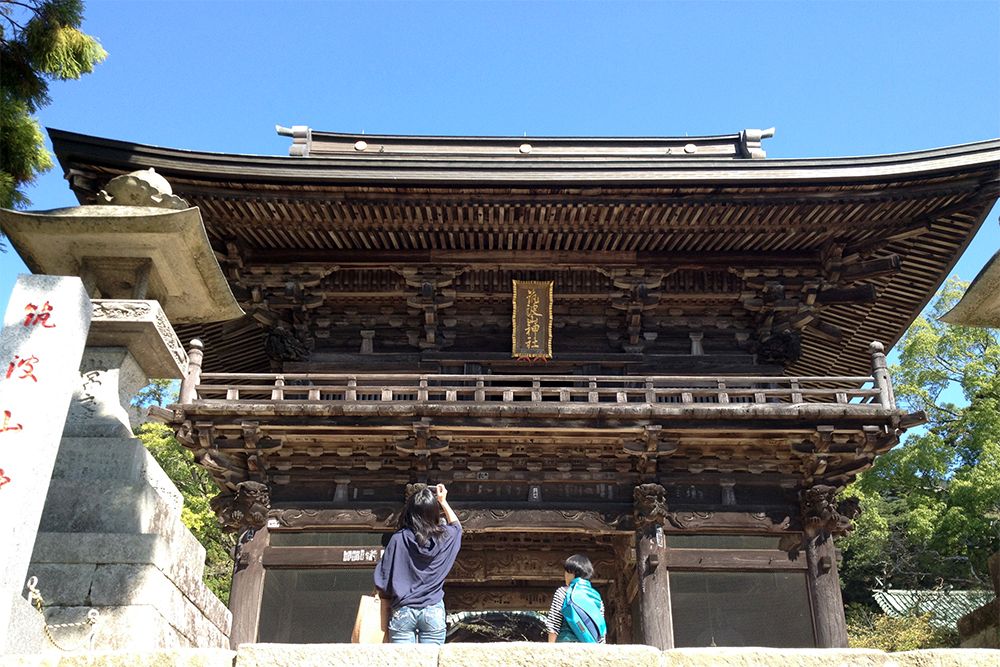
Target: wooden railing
{"points": [[436, 388]]}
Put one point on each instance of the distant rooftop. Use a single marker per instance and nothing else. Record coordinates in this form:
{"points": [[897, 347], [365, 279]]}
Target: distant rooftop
{"points": [[946, 607], [980, 307], [746, 144]]}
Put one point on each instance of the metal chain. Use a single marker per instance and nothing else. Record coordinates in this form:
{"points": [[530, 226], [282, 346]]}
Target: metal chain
{"points": [[36, 600]]}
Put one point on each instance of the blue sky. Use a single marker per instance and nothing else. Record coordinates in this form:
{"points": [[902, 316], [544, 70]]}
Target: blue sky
{"points": [[837, 78]]}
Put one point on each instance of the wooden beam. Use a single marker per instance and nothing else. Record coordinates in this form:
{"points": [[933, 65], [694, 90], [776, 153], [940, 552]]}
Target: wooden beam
{"points": [[533, 258], [872, 268], [860, 294], [731, 559], [362, 556]]}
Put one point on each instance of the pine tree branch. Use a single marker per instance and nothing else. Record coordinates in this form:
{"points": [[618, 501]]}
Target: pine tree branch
{"points": [[17, 26], [31, 8]]}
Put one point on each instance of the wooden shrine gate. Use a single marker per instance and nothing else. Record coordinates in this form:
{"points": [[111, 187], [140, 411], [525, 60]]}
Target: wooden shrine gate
{"points": [[696, 497]]}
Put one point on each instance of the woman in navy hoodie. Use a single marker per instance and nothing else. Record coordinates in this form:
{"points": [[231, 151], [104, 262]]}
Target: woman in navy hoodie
{"points": [[410, 576]]}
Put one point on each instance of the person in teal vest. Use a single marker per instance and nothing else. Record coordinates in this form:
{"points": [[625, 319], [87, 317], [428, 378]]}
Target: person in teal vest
{"points": [[577, 610]]}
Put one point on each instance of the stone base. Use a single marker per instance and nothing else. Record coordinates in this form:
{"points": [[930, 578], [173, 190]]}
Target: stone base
{"points": [[178, 658], [112, 539], [514, 655], [524, 654], [26, 632], [357, 655], [134, 628]]}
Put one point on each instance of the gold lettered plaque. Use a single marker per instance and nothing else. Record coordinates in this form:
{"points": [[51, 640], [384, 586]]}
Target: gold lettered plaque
{"points": [[532, 337]]}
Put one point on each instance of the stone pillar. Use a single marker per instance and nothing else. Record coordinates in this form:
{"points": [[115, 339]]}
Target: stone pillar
{"points": [[655, 616], [45, 328], [111, 537]]}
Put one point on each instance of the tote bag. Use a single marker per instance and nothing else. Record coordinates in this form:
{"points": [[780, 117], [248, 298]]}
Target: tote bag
{"points": [[368, 624]]}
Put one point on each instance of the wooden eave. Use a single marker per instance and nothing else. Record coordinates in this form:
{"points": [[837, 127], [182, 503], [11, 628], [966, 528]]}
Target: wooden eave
{"points": [[112, 156], [566, 210]]}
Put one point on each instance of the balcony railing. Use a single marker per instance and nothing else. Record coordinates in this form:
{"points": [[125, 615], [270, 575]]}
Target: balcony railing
{"points": [[386, 388]]}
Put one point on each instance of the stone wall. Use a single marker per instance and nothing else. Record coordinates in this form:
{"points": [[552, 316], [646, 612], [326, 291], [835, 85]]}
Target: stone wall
{"points": [[509, 655]]}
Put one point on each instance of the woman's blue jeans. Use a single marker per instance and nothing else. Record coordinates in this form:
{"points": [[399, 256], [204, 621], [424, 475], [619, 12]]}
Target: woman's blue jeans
{"points": [[409, 625]]}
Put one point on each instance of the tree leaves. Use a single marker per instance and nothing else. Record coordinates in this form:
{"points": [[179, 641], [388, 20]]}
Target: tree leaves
{"points": [[932, 505], [39, 40]]}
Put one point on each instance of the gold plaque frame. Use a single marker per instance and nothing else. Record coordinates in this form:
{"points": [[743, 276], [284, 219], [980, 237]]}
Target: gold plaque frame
{"points": [[520, 347]]}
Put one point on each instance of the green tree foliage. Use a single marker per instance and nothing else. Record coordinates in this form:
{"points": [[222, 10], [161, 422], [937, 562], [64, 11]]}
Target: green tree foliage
{"points": [[194, 483], [197, 487], [40, 41], [932, 505]]}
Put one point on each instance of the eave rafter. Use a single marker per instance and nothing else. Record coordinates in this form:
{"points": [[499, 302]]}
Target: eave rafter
{"points": [[562, 208]]}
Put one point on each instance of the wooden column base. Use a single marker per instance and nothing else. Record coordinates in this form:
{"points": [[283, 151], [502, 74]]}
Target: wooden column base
{"points": [[828, 604], [247, 590], [655, 616]]}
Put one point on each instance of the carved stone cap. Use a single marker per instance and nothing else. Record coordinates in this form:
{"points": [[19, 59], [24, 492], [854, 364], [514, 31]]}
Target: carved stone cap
{"points": [[143, 328], [141, 188], [104, 245]]}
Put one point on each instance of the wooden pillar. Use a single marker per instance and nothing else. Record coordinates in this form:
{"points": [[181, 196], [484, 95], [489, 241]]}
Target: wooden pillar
{"points": [[827, 602], [625, 589], [189, 385], [247, 589], [655, 617], [880, 373]]}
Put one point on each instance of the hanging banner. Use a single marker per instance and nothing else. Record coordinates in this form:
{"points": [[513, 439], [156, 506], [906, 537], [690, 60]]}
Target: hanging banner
{"points": [[532, 335]]}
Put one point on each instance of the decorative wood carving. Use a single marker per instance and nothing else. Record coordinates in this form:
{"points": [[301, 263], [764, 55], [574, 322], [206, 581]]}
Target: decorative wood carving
{"points": [[543, 520], [650, 506], [497, 560], [466, 598], [377, 519], [413, 488], [283, 345], [245, 509], [822, 516], [782, 347], [432, 298], [422, 444], [641, 294], [473, 520]]}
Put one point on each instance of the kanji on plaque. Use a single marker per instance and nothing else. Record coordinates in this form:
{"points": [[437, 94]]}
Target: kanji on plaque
{"points": [[22, 368], [8, 424], [532, 320], [36, 315]]}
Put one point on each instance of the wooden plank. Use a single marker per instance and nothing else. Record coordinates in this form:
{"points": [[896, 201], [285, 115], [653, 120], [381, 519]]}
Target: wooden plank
{"points": [[321, 557], [731, 559]]}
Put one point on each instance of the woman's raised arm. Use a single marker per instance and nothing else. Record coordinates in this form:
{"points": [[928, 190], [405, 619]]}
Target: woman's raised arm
{"points": [[442, 497]]}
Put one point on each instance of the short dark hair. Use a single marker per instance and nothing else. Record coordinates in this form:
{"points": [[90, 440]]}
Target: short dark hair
{"points": [[579, 566]]}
